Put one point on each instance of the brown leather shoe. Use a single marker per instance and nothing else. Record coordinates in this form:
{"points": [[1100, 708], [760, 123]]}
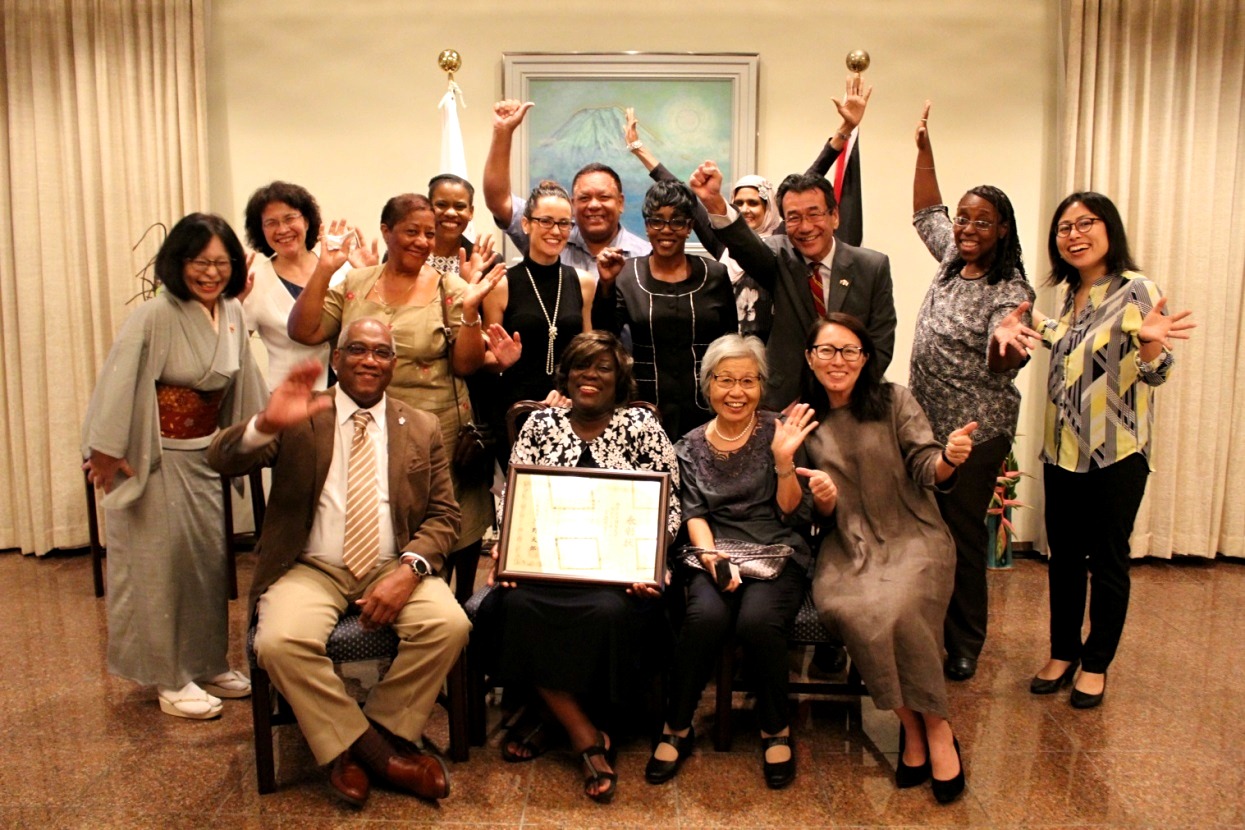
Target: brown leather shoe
{"points": [[349, 780], [424, 775]]}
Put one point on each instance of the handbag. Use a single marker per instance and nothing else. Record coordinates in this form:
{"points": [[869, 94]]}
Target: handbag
{"points": [[755, 561], [475, 443]]}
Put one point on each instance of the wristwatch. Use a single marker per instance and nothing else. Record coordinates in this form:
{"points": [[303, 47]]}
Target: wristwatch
{"points": [[417, 564]]}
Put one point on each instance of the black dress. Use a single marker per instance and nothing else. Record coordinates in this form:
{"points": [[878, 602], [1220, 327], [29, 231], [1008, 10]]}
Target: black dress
{"points": [[598, 642], [530, 285], [671, 326]]}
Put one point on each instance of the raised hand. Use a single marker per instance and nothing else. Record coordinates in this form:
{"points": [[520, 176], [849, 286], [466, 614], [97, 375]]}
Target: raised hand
{"points": [[365, 255], [102, 469], [295, 399], [478, 287], [508, 114], [609, 265], [631, 132], [1013, 335], [855, 100], [960, 444], [505, 347], [1157, 326], [922, 130], [556, 398], [825, 493], [334, 256], [706, 183], [790, 434], [484, 247]]}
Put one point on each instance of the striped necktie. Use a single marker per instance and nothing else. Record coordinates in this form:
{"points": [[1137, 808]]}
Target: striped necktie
{"points": [[818, 288], [361, 547]]}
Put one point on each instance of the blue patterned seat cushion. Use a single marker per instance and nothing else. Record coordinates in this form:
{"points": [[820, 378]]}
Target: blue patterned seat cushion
{"points": [[472, 606], [349, 643]]}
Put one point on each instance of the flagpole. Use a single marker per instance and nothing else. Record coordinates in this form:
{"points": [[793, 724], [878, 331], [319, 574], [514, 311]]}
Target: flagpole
{"points": [[453, 153]]}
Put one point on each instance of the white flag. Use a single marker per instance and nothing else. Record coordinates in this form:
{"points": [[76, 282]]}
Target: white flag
{"points": [[453, 157]]}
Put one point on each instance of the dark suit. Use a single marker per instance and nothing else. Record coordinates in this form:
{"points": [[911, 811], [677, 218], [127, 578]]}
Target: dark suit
{"points": [[297, 602], [860, 285]]}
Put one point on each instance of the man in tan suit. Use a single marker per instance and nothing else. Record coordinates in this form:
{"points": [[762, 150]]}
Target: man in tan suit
{"points": [[361, 512]]}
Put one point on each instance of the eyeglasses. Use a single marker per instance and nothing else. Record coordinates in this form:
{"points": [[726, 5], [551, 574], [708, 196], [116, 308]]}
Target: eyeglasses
{"points": [[201, 266], [979, 224], [358, 351], [549, 223], [728, 383], [280, 222], [1082, 225], [656, 223], [812, 216], [850, 354]]}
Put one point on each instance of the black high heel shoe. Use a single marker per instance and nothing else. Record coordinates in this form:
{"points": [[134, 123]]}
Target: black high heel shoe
{"points": [[908, 776], [782, 773], [1084, 700], [1041, 686], [948, 791], [658, 771]]}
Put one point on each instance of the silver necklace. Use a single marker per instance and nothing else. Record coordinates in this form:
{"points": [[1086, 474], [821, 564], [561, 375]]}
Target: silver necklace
{"points": [[730, 439], [550, 321], [380, 292]]}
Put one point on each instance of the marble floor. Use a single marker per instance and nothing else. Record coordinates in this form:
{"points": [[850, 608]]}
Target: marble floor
{"points": [[79, 748]]}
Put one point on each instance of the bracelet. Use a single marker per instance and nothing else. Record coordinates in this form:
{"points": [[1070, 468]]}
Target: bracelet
{"points": [[947, 461], [919, 167], [635, 145], [786, 474], [471, 325]]}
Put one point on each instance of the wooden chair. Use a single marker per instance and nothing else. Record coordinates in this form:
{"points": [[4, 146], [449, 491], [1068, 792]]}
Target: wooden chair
{"points": [[807, 630], [348, 643], [232, 541]]}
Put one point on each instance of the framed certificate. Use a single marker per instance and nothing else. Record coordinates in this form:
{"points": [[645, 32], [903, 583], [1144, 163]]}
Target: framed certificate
{"points": [[571, 524]]}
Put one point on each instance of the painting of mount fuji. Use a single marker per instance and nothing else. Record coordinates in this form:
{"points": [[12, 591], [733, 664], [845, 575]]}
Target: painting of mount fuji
{"points": [[687, 111]]}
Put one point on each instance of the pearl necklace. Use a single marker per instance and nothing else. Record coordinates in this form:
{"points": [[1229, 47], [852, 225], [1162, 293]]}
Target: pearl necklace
{"points": [[730, 439], [550, 321]]}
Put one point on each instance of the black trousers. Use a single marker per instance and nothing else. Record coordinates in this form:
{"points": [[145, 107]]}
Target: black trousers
{"points": [[761, 613], [1089, 518], [964, 511]]}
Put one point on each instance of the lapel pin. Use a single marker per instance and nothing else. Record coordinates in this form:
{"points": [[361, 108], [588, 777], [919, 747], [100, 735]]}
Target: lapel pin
{"points": [[843, 283], [401, 421]]}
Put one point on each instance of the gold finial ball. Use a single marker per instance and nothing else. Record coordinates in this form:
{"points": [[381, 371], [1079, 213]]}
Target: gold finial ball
{"points": [[858, 60], [450, 61]]}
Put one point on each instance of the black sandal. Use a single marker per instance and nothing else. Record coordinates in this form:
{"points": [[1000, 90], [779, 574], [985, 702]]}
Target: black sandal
{"points": [[531, 734], [599, 749], [658, 771]]}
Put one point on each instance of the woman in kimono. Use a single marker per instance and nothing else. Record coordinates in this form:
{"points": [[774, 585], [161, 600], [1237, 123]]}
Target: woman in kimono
{"points": [[179, 370]]}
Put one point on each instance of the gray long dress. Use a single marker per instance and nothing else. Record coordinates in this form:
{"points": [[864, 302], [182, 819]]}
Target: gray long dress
{"points": [[167, 590], [887, 563]]}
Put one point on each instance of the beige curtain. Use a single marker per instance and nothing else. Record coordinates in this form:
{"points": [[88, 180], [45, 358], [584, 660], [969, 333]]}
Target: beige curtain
{"points": [[1153, 118], [104, 136]]}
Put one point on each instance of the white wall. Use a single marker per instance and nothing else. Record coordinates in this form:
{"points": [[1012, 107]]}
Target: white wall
{"points": [[341, 98]]}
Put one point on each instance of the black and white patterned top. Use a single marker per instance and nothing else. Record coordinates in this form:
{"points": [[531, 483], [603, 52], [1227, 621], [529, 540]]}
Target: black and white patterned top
{"points": [[634, 440], [949, 375]]}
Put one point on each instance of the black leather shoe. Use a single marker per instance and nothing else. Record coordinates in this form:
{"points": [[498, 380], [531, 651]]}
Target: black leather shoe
{"points": [[658, 771], [782, 773], [1084, 700], [1040, 686], [960, 668], [907, 776], [948, 791]]}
